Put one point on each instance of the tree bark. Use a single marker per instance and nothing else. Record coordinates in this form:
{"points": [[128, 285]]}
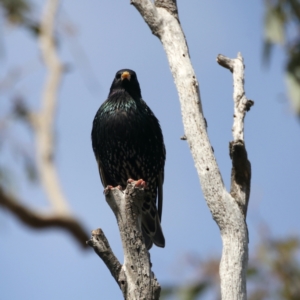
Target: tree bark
{"points": [[134, 277], [228, 209]]}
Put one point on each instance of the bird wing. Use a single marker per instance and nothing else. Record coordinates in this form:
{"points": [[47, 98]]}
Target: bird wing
{"points": [[101, 172], [160, 194]]}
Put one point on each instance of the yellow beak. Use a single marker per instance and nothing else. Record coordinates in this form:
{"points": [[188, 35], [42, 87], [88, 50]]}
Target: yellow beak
{"points": [[125, 75]]}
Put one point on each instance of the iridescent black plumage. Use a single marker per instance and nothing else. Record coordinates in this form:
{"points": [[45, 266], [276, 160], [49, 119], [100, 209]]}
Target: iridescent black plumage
{"points": [[128, 143]]}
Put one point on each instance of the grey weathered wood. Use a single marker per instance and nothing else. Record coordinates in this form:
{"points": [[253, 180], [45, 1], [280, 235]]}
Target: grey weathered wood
{"points": [[228, 209], [101, 246], [134, 277], [241, 167]]}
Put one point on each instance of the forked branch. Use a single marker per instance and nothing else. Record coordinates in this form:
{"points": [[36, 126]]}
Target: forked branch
{"points": [[42, 123], [241, 167], [228, 209], [134, 277]]}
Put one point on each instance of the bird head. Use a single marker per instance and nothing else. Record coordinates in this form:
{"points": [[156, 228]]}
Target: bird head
{"points": [[126, 79]]}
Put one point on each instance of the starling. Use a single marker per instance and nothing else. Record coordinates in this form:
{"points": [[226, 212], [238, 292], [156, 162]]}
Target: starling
{"points": [[128, 144]]}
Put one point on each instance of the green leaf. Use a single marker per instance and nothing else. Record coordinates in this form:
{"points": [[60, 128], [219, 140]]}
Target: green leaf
{"points": [[193, 291], [274, 25], [293, 87], [167, 291], [252, 271], [15, 10]]}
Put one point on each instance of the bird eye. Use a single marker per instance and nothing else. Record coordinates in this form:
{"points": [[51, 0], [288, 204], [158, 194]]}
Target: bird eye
{"points": [[133, 76], [118, 76]]}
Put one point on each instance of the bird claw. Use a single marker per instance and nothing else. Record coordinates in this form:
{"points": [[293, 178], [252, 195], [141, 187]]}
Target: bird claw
{"points": [[107, 189], [140, 183], [110, 187]]}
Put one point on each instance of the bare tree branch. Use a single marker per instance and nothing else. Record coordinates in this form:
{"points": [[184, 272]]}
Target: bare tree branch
{"points": [[39, 220], [135, 277], [224, 207], [101, 246], [169, 5], [241, 167], [43, 121]]}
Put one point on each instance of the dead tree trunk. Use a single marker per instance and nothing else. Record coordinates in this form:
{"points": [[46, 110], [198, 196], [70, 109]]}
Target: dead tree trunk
{"points": [[228, 208], [134, 277]]}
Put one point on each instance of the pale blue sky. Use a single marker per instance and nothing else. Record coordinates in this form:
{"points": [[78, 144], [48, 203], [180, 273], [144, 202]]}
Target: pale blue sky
{"points": [[48, 264]]}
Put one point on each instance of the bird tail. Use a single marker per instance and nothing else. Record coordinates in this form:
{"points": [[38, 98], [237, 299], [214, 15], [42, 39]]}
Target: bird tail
{"points": [[152, 231]]}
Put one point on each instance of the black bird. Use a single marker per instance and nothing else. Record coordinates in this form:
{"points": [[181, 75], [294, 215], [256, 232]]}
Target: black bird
{"points": [[128, 143]]}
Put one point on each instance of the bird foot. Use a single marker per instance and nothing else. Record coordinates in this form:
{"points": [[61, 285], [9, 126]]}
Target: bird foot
{"points": [[140, 183], [110, 187], [107, 189]]}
